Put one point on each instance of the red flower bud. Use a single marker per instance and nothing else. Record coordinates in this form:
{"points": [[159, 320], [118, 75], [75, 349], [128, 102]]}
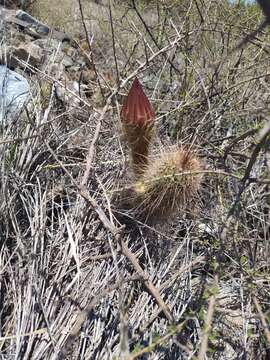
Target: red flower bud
{"points": [[137, 109]]}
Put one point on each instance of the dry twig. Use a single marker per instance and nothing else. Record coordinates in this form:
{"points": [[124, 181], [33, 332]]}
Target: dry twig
{"points": [[263, 319], [208, 322]]}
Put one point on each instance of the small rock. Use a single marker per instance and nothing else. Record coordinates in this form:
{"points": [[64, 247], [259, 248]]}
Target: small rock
{"points": [[49, 44], [14, 91], [88, 76], [56, 70], [75, 69], [29, 53], [67, 61], [208, 229], [81, 61], [65, 94], [40, 28]]}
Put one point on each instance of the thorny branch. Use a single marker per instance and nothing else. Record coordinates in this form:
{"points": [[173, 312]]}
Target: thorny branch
{"points": [[265, 6], [262, 140], [152, 36], [208, 322], [114, 48], [90, 48], [116, 232], [262, 319]]}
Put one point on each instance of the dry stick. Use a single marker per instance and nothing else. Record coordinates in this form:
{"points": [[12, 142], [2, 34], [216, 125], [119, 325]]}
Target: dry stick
{"points": [[148, 284], [208, 323], [113, 41], [90, 155], [246, 180], [90, 48], [199, 11], [183, 268], [263, 137], [241, 137], [83, 315], [152, 36], [250, 36], [161, 340], [117, 235], [262, 318], [18, 139]]}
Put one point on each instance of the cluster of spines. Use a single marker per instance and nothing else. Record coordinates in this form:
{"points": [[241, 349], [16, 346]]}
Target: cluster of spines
{"points": [[168, 185]]}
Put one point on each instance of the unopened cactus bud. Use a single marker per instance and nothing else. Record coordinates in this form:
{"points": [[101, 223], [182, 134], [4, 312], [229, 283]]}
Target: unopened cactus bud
{"points": [[137, 117]]}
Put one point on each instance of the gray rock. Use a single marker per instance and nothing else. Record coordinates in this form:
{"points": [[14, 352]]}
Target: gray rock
{"points": [[47, 43], [38, 26], [74, 68], [81, 61], [14, 92], [70, 94], [27, 52], [67, 61]]}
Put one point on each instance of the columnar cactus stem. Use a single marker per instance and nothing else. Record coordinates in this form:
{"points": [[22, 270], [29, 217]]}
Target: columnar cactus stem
{"points": [[168, 185]]}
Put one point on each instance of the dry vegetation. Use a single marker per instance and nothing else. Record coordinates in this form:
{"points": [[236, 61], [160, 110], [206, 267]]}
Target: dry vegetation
{"points": [[79, 280]]}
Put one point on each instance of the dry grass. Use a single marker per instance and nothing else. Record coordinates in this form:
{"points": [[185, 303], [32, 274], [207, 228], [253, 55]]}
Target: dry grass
{"points": [[60, 252]]}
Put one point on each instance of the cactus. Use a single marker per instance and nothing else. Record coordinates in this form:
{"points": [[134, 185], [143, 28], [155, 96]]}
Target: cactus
{"points": [[169, 184], [166, 184], [137, 117]]}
